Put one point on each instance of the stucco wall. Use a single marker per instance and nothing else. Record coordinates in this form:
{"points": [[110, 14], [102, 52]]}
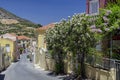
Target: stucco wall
{"points": [[44, 62], [100, 74], [0, 59], [50, 63], [40, 41], [4, 61], [101, 5], [3, 43]]}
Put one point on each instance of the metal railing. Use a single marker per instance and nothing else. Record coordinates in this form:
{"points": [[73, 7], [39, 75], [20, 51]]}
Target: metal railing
{"points": [[100, 62], [117, 70]]}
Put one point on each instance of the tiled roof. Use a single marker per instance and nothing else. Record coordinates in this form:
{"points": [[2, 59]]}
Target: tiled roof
{"points": [[46, 27], [14, 37], [9, 36], [23, 38]]}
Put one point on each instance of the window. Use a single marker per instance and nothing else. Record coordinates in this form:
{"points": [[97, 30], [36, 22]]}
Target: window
{"points": [[94, 7], [7, 45], [8, 48]]}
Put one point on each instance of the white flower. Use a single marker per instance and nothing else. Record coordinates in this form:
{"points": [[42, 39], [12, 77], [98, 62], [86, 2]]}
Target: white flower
{"points": [[105, 18], [96, 30], [68, 16], [99, 30], [107, 29], [105, 24], [92, 26], [78, 23], [108, 12]]}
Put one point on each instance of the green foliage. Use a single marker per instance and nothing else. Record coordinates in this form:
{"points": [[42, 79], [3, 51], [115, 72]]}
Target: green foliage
{"points": [[116, 56], [109, 22], [116, 52], [55, 44], [39, 25], [28, 24], [73, 35], [109, 19], [79, 33], [19, 28]]}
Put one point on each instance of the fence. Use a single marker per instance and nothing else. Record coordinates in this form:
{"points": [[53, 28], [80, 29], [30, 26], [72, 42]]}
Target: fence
{"points": [[100, 62], [104, 63], [117, 70]]}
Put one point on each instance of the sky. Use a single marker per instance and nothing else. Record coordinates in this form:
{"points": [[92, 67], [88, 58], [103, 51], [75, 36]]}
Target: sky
{"points": [[44, 11]]}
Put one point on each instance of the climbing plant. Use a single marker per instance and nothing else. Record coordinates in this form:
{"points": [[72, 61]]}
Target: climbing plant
{"points": [[109, 22]]}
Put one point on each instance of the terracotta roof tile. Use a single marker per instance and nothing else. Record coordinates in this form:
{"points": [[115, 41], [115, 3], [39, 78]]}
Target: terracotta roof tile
{"points": [[9, 36], [23, 38], [47, 26]]}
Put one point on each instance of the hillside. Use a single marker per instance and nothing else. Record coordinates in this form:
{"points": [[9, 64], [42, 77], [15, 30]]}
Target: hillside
{"points": [[10, 23]]}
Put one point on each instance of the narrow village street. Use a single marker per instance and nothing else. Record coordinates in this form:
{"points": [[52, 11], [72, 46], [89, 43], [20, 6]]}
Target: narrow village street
{"points": [[60, 40], [24, 70]]}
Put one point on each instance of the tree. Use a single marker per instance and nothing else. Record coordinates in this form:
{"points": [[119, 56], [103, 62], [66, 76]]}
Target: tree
{"points": [[39, 25], [55, 44], [80, 39], [73, 35]]}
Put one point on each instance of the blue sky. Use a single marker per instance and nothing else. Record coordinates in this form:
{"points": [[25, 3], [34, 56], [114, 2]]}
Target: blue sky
{"points": [[44, 11]]}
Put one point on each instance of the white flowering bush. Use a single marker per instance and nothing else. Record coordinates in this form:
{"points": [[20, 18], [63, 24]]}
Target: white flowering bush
{"points": [[73, 35]]}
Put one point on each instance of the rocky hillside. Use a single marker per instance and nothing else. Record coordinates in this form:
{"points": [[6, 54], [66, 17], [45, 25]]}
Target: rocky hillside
{"points": [[10, 23]]}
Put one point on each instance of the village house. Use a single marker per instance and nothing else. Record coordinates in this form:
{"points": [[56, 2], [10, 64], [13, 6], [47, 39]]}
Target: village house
{"points": [[40, 56], [9, 42], [23, 41]]}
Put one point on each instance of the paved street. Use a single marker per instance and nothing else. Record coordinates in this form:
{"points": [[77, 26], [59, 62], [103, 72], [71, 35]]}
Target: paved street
{"points": [[24, 70]]}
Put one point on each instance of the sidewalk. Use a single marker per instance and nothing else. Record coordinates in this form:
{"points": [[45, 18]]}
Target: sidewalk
{"points": [[49, 74]]}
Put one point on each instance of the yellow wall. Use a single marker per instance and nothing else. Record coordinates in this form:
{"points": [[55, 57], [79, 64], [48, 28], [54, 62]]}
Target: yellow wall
{"points": [[41, 43], [3, 43]]}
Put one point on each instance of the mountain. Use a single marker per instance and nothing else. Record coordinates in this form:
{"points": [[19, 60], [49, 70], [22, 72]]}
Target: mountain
{"points": [[10, 23]]}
